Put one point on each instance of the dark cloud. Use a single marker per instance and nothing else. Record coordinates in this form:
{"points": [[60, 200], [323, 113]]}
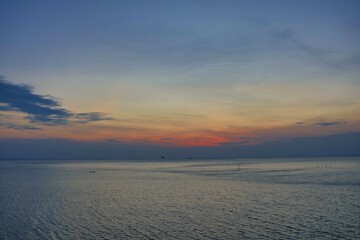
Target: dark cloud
{"points": [[110, 140], [40, 109], [327, 124], [19, 127], [134, 142], [113, 140], [167, 139]]}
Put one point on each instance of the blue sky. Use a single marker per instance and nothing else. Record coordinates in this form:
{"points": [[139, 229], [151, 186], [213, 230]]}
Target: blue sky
{"points": [[179, 73]]}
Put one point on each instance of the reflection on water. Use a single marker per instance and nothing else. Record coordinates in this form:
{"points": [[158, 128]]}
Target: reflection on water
{"points": [[229, 199]]}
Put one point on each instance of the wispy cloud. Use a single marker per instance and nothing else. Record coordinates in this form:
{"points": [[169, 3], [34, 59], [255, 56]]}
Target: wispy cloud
{"points": [[317, 53], [40, 109], [289, 36], [18, 126], [90, 117], [350, 62], [327, 124]]}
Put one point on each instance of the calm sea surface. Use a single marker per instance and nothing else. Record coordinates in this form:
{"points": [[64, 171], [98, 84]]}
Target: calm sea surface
{"points": [[299, 198]]}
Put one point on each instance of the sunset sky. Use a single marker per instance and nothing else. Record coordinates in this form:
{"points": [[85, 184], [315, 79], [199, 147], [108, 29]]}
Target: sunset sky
{"points": [[178, 74]]}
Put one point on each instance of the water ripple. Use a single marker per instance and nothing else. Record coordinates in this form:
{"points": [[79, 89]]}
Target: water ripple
{"points": [[200, 200]]}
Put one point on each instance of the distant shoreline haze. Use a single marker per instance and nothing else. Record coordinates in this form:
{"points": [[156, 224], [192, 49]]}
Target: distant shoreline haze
{"points": [[332, 145]]}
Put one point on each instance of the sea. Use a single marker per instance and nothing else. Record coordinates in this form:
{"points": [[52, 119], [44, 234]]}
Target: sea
{"points": [[278, 198]]}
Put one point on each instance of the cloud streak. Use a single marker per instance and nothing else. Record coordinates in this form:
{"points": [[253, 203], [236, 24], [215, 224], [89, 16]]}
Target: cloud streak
{"points": [[327, 124], [40, 109], [321, 55], [289, 36], [19, 127]]}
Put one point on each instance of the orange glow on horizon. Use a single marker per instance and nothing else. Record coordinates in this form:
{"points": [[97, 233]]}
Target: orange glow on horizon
{"points": [[176, 138]]}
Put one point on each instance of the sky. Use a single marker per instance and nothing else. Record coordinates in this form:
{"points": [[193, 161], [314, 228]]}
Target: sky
{"points": [[206, 78]]}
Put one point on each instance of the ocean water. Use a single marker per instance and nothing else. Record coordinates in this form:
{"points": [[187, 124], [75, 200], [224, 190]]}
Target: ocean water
{"points": [[294, 198]]}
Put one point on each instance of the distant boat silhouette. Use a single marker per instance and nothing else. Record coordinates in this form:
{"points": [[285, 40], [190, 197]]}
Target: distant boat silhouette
{"points": [[162, 157], [92, 171]]}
